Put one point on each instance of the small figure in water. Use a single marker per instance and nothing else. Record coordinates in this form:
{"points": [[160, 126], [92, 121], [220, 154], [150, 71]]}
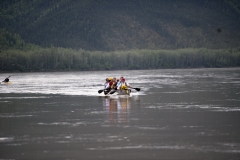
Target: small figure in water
{"points": [[6, 79]]}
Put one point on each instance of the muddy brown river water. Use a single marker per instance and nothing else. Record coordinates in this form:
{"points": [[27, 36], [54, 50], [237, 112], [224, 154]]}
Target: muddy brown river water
{"points": [[178, 114]]}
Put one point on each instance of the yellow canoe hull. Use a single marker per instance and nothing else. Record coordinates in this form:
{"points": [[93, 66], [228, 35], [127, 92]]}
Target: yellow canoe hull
{"points": [[6, 82], [124, 92]]}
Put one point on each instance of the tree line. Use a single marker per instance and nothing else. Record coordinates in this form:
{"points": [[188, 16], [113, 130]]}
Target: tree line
{"points": [[64, 59]]}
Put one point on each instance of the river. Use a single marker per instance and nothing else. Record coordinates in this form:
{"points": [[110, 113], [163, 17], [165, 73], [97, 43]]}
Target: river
{"points": [[178, 114]]}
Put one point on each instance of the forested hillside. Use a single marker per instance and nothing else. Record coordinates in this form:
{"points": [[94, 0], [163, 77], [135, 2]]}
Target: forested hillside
{"points": [[60, 35], [109, 25]]}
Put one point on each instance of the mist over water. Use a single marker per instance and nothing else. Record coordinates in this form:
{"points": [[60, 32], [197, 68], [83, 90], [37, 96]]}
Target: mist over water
{"points": [[178, 114]]}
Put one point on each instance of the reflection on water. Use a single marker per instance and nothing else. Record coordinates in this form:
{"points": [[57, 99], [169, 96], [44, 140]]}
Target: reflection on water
{"points": [[118, 109]]}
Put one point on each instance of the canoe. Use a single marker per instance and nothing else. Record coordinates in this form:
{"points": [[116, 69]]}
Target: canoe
{"points": [[6, 82], [124, 92], [117, 92]]}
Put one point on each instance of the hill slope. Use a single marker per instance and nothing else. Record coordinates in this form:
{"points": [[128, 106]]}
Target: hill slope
{"points": [[123, 25]]}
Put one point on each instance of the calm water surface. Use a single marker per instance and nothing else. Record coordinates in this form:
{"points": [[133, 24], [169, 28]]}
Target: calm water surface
{"points": [[178, 114]]}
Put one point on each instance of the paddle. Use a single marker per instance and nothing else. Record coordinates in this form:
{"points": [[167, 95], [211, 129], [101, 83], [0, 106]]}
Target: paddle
{"points": [[113, 91], [100, 91], [137, 89]]}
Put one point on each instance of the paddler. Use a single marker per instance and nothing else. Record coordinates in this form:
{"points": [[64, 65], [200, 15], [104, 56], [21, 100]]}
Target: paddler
{"points": [[119, 82], [115, 83], [108, 84], [123, 85], [6, 79]]}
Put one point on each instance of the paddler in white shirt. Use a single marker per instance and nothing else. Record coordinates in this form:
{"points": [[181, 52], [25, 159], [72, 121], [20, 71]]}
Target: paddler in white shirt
{"points": [[123, 85]]}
